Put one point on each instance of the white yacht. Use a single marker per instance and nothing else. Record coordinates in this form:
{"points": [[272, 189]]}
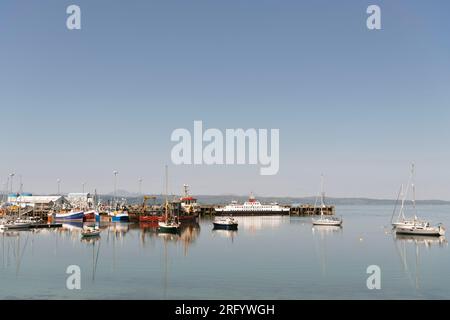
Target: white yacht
{"points": [[325, 220], [413, 226], [422, 230], [252, 207]]}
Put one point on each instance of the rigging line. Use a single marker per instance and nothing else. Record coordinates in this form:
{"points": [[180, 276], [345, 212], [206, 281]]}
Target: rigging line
{"points": [[396, 203]]}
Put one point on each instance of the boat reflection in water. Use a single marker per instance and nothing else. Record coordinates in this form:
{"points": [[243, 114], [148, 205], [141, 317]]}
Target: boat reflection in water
{"points": [[324, 230], [93, 242], [231, 234], [323, 236], [426, 241], [188, 234], [257, 223], [415, 242]]}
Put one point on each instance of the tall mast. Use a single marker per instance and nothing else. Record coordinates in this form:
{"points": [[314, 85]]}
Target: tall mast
{"points": [[402, 212], [322, 195], [167, 189], [413, 167]]}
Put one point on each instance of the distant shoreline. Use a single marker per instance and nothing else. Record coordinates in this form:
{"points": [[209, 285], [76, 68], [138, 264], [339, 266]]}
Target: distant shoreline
{"points": [[225, 199]]}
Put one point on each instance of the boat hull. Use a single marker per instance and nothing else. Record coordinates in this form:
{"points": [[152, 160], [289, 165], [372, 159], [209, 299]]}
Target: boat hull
{"points": [[20, 226], [120, 218], [435, 232], [168, 229], [72, 216], [90, 215], [327, 223], [90, 234], [154, 219], [222, 226]]}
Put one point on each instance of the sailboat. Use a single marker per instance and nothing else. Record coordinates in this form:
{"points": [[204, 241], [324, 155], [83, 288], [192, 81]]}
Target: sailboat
{"points": [[402, 221], [415, 226], [325, 220], [169, 224]]}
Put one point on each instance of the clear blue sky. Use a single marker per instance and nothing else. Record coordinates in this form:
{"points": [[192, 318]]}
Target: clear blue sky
{"points": [[355, 104]]}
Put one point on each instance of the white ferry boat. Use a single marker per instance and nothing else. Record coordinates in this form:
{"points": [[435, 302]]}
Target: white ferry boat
{"points": [[252, 207]]}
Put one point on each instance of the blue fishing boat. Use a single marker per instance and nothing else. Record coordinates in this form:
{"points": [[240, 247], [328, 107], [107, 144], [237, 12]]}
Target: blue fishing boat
{"points": [[119, 216], [71, 215]]}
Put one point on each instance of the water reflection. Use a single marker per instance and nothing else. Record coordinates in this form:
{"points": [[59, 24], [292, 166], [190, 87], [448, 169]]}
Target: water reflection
{"points": [[231, 234], [189, 232], [14, 245], [254, 224], [324, 230], [94, 243], [320, 235], [405, 243]]}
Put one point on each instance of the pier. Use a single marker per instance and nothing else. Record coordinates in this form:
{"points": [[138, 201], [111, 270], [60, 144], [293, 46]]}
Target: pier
{"points": [[302, 210]]}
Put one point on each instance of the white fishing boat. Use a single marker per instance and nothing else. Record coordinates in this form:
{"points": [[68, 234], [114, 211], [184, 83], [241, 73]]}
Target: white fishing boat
{"points": [[325, 220], [189, 204], [228, 223]]}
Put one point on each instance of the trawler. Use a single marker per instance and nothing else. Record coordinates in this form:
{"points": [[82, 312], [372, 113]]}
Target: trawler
{"points": [[189, 204], [252, 207]]}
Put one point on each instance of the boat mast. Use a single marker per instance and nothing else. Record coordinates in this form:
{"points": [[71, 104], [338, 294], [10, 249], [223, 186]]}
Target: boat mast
{"points": [[413, 185], [322, 195], [166, 170]]}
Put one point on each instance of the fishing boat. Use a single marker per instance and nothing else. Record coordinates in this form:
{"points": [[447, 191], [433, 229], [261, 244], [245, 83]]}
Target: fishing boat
{"points": [[189, 204], [90, 215], [169, 224], [71, 215], [119, 216], [90, 232], [228, 223], [325, 220]]}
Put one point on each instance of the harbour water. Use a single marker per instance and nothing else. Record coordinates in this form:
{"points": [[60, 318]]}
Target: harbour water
{"points": [[267, 258]]}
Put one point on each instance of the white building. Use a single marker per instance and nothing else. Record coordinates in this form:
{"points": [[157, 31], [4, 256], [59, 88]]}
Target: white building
{"points": [[37, 201]]}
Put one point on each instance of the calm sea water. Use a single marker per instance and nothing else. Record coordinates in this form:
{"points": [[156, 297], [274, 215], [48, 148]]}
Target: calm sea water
{"points": [[268, 258]]}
